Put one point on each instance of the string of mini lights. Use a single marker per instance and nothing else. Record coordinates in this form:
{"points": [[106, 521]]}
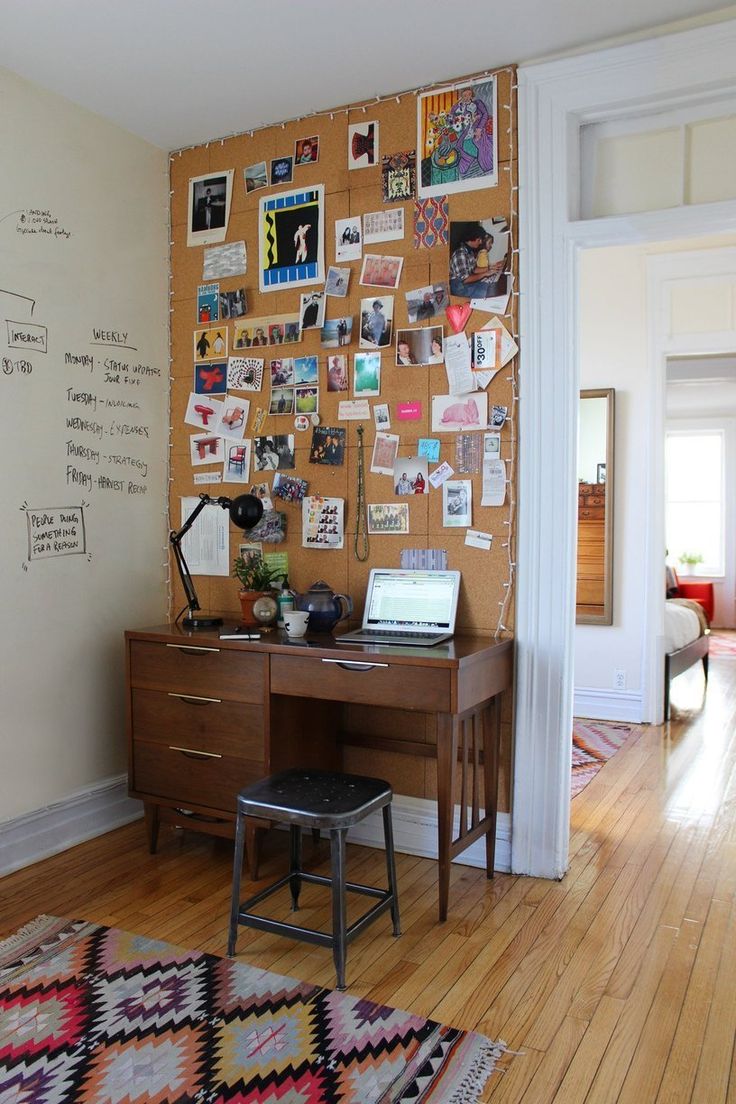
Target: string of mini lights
{"points": [[510, 108]]}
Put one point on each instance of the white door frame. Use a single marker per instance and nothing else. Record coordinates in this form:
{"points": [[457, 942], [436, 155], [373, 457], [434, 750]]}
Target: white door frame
{"points": [[556, 99]]}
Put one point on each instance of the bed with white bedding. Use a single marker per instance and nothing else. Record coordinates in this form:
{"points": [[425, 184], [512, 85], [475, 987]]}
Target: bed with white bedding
{"points": [[687, 638]]}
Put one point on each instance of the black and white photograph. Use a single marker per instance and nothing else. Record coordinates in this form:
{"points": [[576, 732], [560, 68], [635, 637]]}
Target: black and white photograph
{"points": [[233, 304], [312, 310], [457, 503], [348, 239], [376, 317], [425, 302], [209, 207], [273, 453]]}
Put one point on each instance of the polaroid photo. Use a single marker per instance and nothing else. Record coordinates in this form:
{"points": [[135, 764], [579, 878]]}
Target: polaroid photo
{"points": [[255, 177], [456, 146], [385, 450], [244, 373], [275, 452], [306, 369], [366, 374], [306, 150], [210, 344], [202, 413], [282, 372], [209, 207], [381, 417], [425, 302], [423, 346], [457, 503], [381, 226], [306, 400], [479, 259], [499, 414], [381, 271], [233, 304], [411, 475], [399, 176], [208, 303], [336, 332], [491, 446], [291, 247], [210, 379], [363, 145], [282, 170], [376, 319], [282, 400], [233, 417], [348, 239], [337, 373], [338, 281], [388, 517], [236, 466], [312, 310], [459, 413], [328, 446], [206, 448]]}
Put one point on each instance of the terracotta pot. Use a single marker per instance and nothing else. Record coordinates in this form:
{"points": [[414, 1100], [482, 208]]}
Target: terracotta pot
{"points": [[247, 600]]}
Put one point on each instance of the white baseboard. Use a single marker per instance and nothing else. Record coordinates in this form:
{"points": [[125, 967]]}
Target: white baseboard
{"points": [[415, 833], [608, 705], [81, 816]]}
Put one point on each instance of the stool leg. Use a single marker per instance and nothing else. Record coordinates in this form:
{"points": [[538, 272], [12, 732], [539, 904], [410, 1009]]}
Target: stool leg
{"points": [[388, 836], [295, 865], [339, 911], [237, 867]]}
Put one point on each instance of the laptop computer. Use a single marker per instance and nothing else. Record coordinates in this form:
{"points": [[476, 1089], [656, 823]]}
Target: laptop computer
{"points": [[415, 608]]}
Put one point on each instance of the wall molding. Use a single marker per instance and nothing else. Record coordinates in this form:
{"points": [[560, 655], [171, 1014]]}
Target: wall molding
{"points": [[81, 816], [608, 705]]}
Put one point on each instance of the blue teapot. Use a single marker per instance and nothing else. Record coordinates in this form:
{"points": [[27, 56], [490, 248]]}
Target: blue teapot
{"points": [[325, 608]]}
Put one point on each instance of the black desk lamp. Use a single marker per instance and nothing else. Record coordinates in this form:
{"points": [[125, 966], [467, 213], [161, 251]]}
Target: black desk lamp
{"points": [[245, 512]]}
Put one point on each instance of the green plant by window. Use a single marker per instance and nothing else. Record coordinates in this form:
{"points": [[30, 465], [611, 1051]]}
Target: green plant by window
{"points": [[691, 558], [254, 573]]}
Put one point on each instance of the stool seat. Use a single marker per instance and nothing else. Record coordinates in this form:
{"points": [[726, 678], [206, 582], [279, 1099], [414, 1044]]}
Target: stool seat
{"points": [[315, 799]]}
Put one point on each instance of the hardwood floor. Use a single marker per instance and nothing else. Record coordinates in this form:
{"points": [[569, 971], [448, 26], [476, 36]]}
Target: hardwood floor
{"points": [[617, 983]]}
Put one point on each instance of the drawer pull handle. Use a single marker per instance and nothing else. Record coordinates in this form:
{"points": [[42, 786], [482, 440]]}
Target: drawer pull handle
{"points": [[188, 649], [195, 754], [194, 700], [354, 664]]}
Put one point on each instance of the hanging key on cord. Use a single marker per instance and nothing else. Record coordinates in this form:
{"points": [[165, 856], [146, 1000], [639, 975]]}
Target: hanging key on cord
{"points": [[361, 531]]}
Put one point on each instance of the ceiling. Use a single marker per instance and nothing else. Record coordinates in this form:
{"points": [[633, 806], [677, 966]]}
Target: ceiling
{"points": [[177, 73]]}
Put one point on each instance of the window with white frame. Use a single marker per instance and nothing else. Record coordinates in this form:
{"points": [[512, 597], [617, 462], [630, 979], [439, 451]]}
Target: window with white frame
{"points": [[694, 489]]}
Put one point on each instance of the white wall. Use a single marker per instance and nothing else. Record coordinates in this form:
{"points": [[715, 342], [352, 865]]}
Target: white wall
{"points": [[83, 258], [614, 353]]}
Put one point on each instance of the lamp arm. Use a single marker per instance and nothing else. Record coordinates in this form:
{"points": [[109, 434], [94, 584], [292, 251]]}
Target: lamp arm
{"points": [[175, 539]]}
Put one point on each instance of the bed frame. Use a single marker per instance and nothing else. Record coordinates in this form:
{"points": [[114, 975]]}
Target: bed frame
{"points": [[677, 662]]}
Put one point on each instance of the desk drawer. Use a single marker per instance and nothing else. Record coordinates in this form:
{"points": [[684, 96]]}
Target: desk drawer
{"points": [[161, 771], [200, 670], [375, 682], [214, 725]]}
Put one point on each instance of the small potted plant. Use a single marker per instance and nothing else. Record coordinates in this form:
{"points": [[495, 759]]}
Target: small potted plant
{"points": [[688, 560], [256, 578]]}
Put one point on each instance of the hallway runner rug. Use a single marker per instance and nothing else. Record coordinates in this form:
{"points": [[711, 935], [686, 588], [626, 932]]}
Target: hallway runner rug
{"points": [[100, 1016], [722, 645], [593, 743]]}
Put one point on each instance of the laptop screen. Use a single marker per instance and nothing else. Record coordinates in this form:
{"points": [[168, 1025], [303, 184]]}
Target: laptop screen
{"points": [[415, 599]]}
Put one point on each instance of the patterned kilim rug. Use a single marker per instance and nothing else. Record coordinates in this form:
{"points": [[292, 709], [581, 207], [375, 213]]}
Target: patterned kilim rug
{"points": [[722, 645], [593, 742], [96, 1015]]}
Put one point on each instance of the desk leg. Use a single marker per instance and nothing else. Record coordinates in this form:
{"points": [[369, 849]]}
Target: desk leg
{"points": [[152, 816], [447, 729], [491, 744]]}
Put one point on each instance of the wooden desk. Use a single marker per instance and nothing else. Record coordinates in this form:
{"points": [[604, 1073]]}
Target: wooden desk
{"points": [[208, 716]]}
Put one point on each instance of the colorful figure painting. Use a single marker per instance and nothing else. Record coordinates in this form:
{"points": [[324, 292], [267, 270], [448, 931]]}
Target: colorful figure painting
{"points": [[291, 239], [457, 138]]}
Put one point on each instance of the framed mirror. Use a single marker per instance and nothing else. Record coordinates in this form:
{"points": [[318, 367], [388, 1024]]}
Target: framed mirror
{"points": [[594, 595]]}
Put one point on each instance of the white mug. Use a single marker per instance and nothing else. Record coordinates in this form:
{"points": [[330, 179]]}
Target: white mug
{"points": [[295, 622]]}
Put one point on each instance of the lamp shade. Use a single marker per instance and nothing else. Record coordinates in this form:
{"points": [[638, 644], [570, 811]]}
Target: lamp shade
{"points": [[245, 511]]}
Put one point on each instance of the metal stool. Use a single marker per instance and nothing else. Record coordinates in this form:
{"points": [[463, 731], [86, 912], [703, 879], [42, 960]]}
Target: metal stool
{"points": [[315, 799]]}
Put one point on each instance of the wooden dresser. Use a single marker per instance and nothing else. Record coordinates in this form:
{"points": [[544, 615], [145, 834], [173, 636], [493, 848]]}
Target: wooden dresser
{"points": [[591, 547], [208, 716]]}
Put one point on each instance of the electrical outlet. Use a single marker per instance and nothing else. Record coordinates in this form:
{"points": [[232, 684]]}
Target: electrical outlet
{"points": [[619, 679]]}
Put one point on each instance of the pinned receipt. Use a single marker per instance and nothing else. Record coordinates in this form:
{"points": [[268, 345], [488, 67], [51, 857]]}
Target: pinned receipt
{"points": [[493, 492], [476, 539]]}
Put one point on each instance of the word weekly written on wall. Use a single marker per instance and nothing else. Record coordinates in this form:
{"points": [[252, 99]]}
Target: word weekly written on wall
{"points": [[100, 404], [250, 366]]}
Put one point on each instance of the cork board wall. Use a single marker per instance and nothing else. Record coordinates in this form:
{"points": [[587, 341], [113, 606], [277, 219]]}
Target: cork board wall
{"points": [[486, 596]]}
